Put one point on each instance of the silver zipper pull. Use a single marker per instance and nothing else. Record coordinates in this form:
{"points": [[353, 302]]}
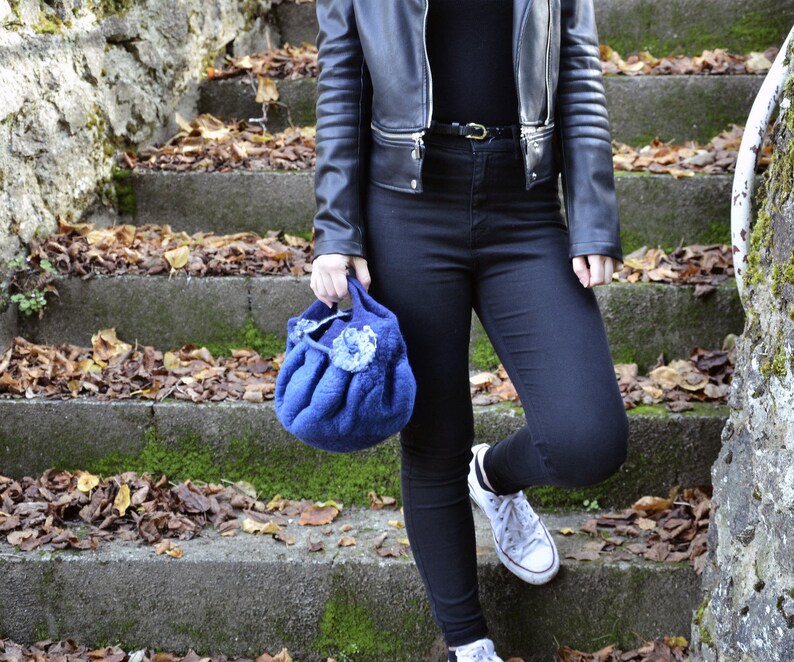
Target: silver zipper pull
{"points": [[525, 137], [419, 145], [530, 142]]}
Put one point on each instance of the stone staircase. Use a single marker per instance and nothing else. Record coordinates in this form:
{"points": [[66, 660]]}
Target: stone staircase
{"points": [[246, 594]]}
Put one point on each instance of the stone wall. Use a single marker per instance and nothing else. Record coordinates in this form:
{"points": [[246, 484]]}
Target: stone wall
{"points": [[748, 612], [82, 80]]}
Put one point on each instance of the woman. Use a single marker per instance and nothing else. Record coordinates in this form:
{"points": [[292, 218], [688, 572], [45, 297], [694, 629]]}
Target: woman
{"points": [[442, 128]]}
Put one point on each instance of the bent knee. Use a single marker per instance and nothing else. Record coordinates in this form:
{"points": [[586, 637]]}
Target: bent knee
{"points": [[590, 457]]}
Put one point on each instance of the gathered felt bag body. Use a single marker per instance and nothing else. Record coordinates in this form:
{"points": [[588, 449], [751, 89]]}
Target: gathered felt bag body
{"points": [[345, 383]]}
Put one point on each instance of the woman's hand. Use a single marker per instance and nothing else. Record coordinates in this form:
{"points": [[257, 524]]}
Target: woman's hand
{"points": [[329, 276], [594, 270]]}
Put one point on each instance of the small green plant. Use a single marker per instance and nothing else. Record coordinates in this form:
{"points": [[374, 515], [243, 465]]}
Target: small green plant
{"points": [[591, 504], [345, 654], [30, 302], [30, 281]]}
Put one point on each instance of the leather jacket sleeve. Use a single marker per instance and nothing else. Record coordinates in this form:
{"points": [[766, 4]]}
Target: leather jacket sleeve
{"points": [[342, 132], [585, 140]]}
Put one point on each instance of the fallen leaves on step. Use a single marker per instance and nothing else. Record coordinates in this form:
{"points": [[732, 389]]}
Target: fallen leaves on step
{"points": [[704, 266], [383, 550], [56, 511], [36, 511], [80, 250], [710, 62], [670, 529], [294, 62], [705, 376], [115, 370], [377, 502], [718, 156], [69, 650], [490, 387], [666, 649], [286, 63], [318, 515], [206, 143], [80, 510]]}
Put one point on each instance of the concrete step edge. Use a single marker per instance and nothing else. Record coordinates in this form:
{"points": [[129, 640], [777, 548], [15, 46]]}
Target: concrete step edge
{"points": [[246, 594], [630, 25], [241, 440], [697, 106], [653, 209], [642, 319]]}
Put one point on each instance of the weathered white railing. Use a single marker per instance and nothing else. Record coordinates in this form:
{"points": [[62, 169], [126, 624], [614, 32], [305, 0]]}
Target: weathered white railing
{"points": [[747, 159]]}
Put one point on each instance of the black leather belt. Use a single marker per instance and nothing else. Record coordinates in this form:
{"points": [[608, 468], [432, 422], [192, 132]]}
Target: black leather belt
{"points": [[474, 131]]}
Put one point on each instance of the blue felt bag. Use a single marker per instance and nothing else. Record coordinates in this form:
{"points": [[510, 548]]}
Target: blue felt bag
{"points": [[345, 383]]}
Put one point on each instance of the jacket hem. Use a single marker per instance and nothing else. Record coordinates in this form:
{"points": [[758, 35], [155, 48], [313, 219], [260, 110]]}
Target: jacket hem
{"points": [[595, 248], [338, 246]]}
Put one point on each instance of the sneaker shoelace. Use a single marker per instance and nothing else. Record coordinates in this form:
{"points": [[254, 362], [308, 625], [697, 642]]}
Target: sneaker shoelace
{"points": [[479, 651], [516, 518]]}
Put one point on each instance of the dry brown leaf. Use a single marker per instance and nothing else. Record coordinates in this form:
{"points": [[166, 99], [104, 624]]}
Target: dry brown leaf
{"points": [[318, 515]]}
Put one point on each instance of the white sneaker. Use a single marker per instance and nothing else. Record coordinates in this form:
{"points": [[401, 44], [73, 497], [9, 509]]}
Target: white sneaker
{"points": [[523, 544], [477, 651]]}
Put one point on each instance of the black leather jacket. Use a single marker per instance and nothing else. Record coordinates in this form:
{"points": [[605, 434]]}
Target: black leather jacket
{"points": [[375, 100]]}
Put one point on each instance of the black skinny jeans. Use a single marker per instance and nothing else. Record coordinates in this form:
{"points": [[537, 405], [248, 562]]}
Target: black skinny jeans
{"points": [[476, 239]]}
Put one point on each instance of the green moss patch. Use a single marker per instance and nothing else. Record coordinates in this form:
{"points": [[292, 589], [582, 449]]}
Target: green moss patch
{"points": [[482, 355], [248, 337], [348, 632], [103, 8], [294, 471], [365, 626], [753, 31], [50, 24], [631, 239], [123, 191], [705, 633], [698, 409]]}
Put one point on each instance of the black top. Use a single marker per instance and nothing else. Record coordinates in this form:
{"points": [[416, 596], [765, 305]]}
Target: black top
{"points": [[469, 45]]}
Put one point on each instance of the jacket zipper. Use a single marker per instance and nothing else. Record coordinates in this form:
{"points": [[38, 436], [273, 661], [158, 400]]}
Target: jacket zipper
{"points": [[416, 136], [548, 57], [427, 64], [527, 131]]}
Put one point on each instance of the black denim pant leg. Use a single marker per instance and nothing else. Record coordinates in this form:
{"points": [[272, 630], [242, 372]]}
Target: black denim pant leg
{"points": [[548, 332], [420, 260], [475, 238]]}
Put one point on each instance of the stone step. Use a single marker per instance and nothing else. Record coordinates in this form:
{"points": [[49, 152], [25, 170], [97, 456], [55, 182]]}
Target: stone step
{"points": [[653, 209], [675, 108], [642, 319], [246, 594], [680, 26], [241, 440]]}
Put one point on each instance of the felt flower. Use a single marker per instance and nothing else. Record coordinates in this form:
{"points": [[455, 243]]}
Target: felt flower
{"points": [[301, 328], [354, 349]]}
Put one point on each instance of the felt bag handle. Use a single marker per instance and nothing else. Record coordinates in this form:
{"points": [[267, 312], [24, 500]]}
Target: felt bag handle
{"points": [[353, 349]]}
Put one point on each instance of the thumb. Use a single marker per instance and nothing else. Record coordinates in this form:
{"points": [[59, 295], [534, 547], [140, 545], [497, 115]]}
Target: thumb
{"points": [[362, 271]]}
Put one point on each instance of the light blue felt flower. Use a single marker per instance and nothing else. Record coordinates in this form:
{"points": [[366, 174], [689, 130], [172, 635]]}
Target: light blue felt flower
{"points": [[301, 328], [354, 349]]}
